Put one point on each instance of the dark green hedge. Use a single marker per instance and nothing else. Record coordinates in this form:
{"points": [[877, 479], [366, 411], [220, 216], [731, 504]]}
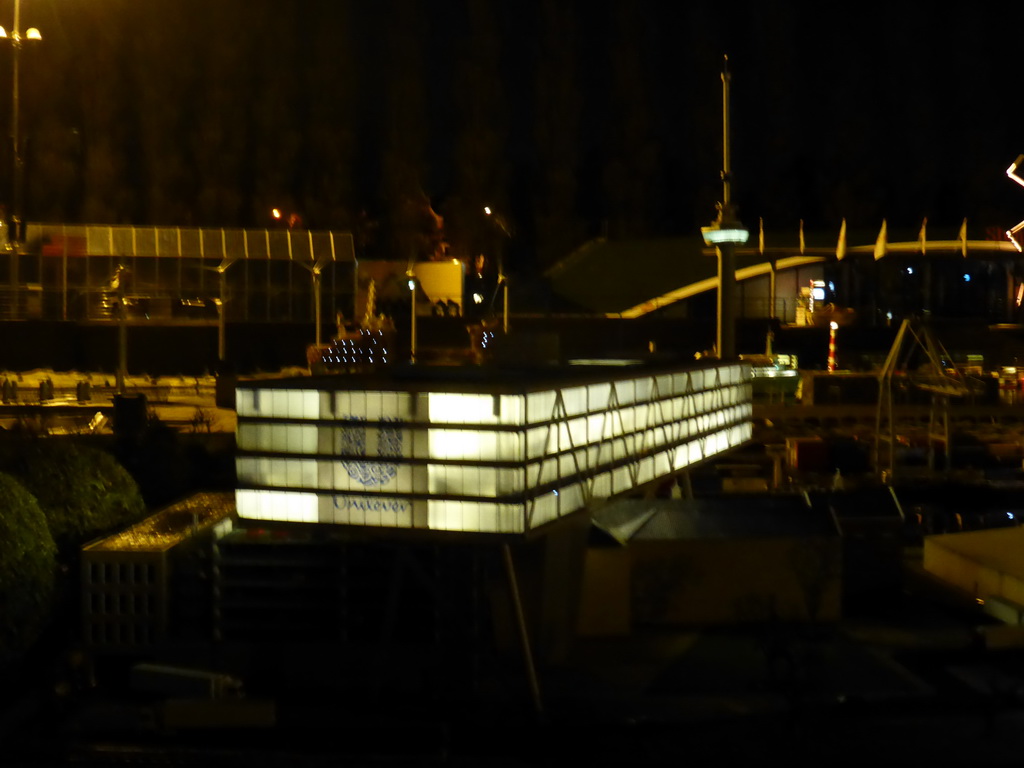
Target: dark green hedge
{"points": [[27, 569], [83, 491]]}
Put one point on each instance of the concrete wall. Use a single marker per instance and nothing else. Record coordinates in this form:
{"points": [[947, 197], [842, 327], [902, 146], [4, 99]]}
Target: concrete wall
{"points": [[709, 582], [979, 563]]}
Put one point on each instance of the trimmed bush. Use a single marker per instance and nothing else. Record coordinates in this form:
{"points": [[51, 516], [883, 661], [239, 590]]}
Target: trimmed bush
{"points": [[83, 491], [27, 569]]}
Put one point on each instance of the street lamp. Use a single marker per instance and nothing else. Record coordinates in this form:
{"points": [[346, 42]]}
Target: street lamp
{"points": [[117, 284], [500, 222], [832, 328], [31, 34], [221, 302], [293, 220], [412, 282], [725, 233]]}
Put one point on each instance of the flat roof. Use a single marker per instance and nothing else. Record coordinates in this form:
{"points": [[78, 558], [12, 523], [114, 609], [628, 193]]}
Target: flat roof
{"points": [[301, 245], [170, 526], [490, 379]]}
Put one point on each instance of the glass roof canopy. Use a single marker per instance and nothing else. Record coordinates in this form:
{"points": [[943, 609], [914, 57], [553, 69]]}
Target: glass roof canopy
{"points": [[190, 242], [173, 275]]}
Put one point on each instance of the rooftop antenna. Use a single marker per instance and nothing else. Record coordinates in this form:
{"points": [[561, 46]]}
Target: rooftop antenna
{"points": [[725, 233]]}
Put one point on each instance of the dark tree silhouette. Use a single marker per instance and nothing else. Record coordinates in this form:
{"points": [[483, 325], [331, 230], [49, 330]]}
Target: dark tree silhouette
{"points": [[165, 79], [630, 174], [481, 141], [27, 569], [277, 124], [559, 103], [82, 490], [109, 185], [328, 108], [222, 132], [564, 114], [404, 132]]}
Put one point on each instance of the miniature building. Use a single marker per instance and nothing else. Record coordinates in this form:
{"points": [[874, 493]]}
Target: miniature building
{"points": [[140, 587], [980, 564], [719, 561], [480, 450], [297, 584], [275, 584]]}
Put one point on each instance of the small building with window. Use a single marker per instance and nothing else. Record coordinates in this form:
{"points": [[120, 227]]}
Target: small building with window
{"points": [[151, 583]]}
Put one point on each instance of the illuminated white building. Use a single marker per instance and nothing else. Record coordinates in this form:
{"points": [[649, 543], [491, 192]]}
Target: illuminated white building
{"points": [[476, 449]]}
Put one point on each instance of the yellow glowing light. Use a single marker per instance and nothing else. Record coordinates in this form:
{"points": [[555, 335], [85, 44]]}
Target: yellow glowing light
{"points": [[1012, 170], [721, 235], [833, 325], [1020, 293], [449, 408], [33, 34], [277, 505], [276, 213], [1010, 235], [3, 32]]}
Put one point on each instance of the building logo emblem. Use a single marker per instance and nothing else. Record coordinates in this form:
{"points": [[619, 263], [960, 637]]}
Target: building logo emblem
{"points": [[388, 444]]}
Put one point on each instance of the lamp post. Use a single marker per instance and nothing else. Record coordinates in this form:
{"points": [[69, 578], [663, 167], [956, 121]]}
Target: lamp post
{"points": [[118, 284], [222, 306], [16, 38], [317, 304], [725, 233], [412, 331], [500, 222], [221, 303], [832, 328]]}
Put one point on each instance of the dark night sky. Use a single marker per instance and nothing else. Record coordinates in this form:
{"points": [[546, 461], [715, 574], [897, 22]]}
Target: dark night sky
{"points": [[576, 117]]}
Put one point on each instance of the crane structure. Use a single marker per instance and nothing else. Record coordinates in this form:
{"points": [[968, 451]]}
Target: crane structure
{"points": [[919, 361]]}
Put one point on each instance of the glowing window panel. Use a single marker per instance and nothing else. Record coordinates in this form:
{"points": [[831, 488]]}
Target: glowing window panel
{"points": [[644, 390], [512, 410], [277, 505], [462, 409], [625, 392], [602, 486], [540, 406], [599, 395], [455, 444], [246, 403], [537, 442], [574, 400]]}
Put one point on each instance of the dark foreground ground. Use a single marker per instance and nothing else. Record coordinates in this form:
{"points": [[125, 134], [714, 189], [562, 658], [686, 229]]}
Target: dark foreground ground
{"points": [[904, 678]]}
